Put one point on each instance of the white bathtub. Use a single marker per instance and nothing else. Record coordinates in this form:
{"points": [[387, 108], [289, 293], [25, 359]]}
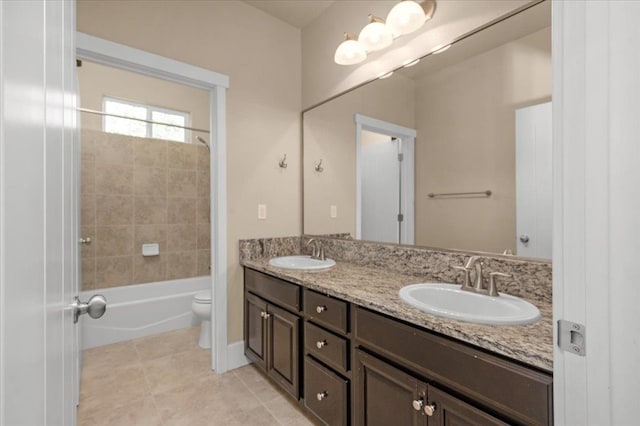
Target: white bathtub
{"points": [[141, 310]]}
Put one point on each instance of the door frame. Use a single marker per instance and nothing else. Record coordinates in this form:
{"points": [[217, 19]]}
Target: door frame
{"points": [[117, 55], [408, 137]]}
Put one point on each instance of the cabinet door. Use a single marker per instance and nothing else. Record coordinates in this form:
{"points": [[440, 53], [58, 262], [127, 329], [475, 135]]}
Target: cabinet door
{"points": [[283, 362], [450, 411], [385, 395], [255, 330]]}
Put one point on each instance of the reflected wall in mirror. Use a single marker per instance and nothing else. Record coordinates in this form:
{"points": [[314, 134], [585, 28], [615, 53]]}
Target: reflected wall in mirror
{"points": [[400, 154]]}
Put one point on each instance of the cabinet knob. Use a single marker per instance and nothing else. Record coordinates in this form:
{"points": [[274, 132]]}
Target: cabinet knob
{"points": [[417, 404], [264, 315], [322, 395], [320, 309], [321, 344], [429, 409]]}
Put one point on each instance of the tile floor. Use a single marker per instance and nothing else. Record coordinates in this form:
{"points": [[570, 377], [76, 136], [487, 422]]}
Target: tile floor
{"points": [[165, 380]]}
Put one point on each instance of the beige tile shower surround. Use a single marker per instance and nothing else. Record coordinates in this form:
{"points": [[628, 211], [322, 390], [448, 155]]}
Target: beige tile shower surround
{"points": [[165, 380], [136, 191]]}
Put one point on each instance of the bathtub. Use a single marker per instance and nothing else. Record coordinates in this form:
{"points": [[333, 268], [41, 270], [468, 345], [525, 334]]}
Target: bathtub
{"points": [[141, 310]]}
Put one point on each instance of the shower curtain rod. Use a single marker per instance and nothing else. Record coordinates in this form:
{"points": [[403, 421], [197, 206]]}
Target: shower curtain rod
{"points": [[93, 111]]}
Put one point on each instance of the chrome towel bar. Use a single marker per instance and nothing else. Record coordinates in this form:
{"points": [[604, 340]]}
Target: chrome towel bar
{"points": [[486, 193]]}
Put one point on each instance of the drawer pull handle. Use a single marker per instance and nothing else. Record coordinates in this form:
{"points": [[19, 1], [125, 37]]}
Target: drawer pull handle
{"points": [[322, 395], [320, 309], [417, 404], [429, 409], [321, 344]]}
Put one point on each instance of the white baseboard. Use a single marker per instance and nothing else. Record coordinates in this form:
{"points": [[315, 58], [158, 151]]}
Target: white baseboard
{"points": [[235, 356]]}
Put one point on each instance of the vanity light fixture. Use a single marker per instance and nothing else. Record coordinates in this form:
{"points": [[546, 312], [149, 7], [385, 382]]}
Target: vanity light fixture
{"points": [[408, 16], [350, 51], [375, 35], [404, 18]]}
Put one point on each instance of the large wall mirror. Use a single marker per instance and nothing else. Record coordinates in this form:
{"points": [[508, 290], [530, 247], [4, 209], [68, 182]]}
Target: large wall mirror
{"points": [[452, 152]]}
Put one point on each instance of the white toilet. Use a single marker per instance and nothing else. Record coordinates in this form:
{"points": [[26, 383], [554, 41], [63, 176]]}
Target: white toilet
{"points": [[201, 307]]}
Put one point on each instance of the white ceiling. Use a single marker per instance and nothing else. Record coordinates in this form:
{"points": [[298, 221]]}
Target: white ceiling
{"points": [[298, 13]]}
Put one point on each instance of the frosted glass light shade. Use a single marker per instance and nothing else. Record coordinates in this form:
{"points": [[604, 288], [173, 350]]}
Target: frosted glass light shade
{"points": [[350, 52], [375, 36], [405, 17]]}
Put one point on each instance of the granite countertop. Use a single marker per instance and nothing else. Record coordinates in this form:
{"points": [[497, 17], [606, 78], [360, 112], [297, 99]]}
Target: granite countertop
{"points": [[377, 289]]}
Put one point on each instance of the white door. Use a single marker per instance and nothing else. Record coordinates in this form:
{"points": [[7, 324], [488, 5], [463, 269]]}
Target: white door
{"points": [[534, 217], [596, 120], [380, 187], [38, 279]]}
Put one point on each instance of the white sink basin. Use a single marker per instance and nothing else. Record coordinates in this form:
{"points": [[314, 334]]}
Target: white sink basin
{"points": [[302, 263], [448, 300]]}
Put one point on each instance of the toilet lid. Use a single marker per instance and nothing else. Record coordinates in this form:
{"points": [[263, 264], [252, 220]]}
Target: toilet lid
{"points": [[203, 296]]}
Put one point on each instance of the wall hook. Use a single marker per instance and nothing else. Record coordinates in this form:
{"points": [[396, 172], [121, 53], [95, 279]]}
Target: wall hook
{"points": [[318, 166], [283, 162]]}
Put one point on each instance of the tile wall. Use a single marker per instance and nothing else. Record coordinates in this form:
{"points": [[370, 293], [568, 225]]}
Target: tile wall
{"points": [[137, 191]]}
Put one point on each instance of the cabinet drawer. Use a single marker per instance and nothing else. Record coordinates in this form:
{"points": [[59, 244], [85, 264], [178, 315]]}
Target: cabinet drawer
{"points": [[325, 393], [517, 392], [327, 311], [273, 289], [326, 346]]}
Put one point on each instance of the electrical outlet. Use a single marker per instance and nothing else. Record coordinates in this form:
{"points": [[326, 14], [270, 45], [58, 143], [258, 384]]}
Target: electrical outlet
{"points": [[262, 211], [334, 212]]}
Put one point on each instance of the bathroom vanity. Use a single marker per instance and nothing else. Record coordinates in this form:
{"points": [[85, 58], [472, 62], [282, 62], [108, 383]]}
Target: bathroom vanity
{"points": [[342, 344]]}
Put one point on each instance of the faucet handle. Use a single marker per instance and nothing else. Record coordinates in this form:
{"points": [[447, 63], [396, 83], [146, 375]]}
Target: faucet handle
{"points": [[493, 289], [467, 275]]}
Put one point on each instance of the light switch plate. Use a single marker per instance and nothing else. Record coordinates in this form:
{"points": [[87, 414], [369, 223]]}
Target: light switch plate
{"points": [[333, 212], [262, 211]]}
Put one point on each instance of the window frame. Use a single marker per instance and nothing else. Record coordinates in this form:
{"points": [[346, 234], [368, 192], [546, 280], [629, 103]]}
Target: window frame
{"points": [[150, 109]]}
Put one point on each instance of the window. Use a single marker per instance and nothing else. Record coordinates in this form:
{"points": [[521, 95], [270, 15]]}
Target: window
{"points": [[144, 129]]}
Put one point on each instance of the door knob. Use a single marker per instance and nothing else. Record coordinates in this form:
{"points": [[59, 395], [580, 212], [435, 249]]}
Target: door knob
{"points": [[95, 307], [524, 239]]}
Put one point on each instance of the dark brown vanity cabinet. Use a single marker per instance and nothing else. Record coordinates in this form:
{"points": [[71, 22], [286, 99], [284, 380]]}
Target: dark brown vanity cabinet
{"points": [[351, 365], [514, 393], [327, 358], [272, 333], [385, 395]]}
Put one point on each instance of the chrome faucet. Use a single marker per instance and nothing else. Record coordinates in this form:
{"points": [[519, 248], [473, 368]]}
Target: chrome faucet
{"points": [[475, 264], [317, 249]]}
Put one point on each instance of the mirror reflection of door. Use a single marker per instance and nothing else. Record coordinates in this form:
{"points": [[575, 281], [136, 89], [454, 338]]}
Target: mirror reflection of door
{"points": [[533, 181], [381, 187], [386, 182]]}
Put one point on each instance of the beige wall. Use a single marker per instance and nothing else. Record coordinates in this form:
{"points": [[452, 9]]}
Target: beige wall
{"points": [[480, 154], [138, 191], [262, 57], [97, 81], [323, 78], [330, 134]]}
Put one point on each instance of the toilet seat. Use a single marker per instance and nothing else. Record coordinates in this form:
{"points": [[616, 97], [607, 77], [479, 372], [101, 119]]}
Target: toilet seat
{"points": [[203, 297]]}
